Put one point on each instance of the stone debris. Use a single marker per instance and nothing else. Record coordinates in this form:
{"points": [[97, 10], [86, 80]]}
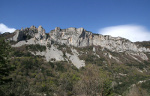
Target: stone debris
{"points": [[75, 59]]}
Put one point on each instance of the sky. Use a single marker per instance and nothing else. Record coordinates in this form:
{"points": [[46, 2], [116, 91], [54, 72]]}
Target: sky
{"points": [[125, 18]]}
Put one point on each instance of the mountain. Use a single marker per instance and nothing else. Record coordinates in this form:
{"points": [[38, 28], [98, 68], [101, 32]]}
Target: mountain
{"points": [[76, 62], [78, 38]]}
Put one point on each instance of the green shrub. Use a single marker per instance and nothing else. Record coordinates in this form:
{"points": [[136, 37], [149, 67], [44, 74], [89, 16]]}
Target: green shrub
{"points": [[36, 47]]}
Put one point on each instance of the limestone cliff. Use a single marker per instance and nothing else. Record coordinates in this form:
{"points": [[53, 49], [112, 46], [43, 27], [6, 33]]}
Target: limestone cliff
{"points": [[79, 38], [82, 38]]}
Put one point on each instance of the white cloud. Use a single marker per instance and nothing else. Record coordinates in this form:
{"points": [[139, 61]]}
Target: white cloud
{"points": [[132, 32], [4, 28]]}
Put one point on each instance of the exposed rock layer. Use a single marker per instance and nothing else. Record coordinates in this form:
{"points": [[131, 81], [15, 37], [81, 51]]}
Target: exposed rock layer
{"points": [[77, 37]]}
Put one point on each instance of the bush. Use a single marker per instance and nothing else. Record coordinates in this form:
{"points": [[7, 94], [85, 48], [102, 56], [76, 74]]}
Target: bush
{"points": [[36, 47]]}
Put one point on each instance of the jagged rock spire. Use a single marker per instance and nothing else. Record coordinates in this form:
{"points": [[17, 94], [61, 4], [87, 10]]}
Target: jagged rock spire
{"points": [[33, 27], [41, 33], [40, 29], [57, 29]]}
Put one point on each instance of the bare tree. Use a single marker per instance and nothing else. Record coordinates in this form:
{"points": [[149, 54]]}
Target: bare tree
{"points": [[92, 82]]}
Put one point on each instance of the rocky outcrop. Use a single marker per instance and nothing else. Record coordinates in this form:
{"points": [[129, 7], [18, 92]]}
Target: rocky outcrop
{"points": [[41, 34], [117, 44], [77, 37], [24, 34], [71, 36], [18, 35]]}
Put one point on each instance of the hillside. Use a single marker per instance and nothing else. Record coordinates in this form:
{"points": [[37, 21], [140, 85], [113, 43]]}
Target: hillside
{"points": [[75, 62]]}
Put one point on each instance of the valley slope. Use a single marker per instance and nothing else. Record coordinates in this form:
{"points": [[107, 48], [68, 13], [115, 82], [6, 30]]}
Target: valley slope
{"points": [[74, 61]]}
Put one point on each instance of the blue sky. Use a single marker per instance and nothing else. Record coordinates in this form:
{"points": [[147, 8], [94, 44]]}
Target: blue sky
{"points": [[93, 15]]}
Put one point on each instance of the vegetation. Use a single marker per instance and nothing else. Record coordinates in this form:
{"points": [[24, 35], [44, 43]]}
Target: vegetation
{"points": [[5, 68], [32, 76], [24, 74], [144, 44], [36, 47]]}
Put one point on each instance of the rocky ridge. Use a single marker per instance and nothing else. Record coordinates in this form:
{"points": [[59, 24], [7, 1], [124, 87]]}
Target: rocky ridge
{"points": [[76, 37]]}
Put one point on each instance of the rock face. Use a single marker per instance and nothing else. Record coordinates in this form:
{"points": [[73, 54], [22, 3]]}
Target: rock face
{"points": [[25, 34], [41, 33], [71, 36], [78, 37], [18, 35], [82, 38]]}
